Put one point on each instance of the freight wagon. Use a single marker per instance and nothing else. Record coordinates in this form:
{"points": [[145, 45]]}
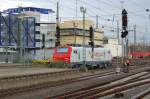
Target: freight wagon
{"points": [[139, 54], [100, 57]]}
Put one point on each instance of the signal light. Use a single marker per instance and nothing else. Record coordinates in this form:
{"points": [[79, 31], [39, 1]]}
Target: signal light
{"points": [[91, 43], [124, 21], [91, 33], [124, 18], [43, 41], [57, 31], [124, 34], [57, 43]]}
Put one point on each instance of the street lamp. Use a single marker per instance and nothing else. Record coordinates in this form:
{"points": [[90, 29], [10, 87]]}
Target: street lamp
{"points": [[83, 10]]}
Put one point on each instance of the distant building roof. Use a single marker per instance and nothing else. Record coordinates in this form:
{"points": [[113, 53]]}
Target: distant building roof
{"points": [[34, 9]]}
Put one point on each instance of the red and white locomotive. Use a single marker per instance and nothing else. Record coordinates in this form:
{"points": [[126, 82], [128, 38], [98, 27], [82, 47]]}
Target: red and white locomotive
{"points": [[74, 56]]}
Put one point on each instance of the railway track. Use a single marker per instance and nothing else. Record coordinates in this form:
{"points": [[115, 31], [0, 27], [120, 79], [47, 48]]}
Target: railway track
{"points": [[11, 82], [32, 87], [5, 92], [120, 88], [142, 95], [48, 74], [104, 89], [39, 75]]}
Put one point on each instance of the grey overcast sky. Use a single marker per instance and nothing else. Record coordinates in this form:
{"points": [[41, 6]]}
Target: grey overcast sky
{"points": [[109, 11]]}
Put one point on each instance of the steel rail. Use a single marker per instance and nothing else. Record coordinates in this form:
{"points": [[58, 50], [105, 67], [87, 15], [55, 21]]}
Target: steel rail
{"points": [[77, 92]]}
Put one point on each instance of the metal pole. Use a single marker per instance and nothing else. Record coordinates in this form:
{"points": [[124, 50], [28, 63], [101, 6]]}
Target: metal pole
{"points": [[0, 27], [57, 14], [20, 40], [76, 9], [83, 10], [6, 53], [134, 37], [93, 46], [96, 21], [122, 2], [20, 36], [144, 43], [127, 49], [57, 41], [118, 31], [34, 44], [122, 43], [118, 67], [74, 25], [84, 49], [8, 38]]}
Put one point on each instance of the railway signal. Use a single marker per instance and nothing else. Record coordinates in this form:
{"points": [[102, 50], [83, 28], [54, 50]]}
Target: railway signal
{"points": [[57, 32], [57, 36], [57, 43], [91, 43], [91, 36], [91, 33], [43, 41], [124, 19], [124, 32]]}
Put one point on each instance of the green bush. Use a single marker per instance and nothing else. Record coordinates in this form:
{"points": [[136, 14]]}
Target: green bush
{"points": [[58, 64]]}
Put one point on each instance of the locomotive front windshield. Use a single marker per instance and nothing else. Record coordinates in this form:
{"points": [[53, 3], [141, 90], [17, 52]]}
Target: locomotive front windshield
{"points": [[62, 50]]}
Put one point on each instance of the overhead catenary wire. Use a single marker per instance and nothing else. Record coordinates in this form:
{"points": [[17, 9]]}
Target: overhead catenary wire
{"points": [[90, 11], [93, 10], [138, 5]]}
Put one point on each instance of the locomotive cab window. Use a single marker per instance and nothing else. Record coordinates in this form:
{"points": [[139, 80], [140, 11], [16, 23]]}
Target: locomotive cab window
{"points": [[75, 51], [62, 50]]}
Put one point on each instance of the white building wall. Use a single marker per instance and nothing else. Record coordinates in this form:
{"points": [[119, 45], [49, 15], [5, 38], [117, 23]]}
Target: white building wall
{"points": [[115, 49], [47, 29], [113, 41]]}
